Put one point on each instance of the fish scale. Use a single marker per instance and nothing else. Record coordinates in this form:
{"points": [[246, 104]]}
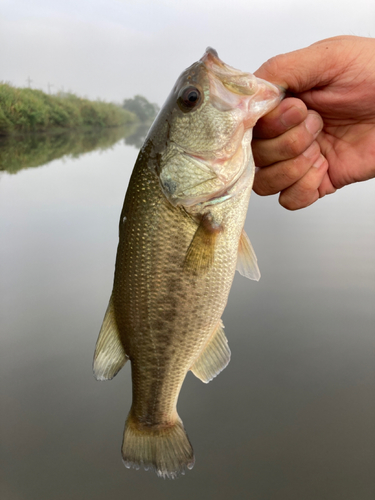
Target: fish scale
{"points": [[180, 240]]}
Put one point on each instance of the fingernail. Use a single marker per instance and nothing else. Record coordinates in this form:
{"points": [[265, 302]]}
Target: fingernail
{"points": [[319, 161], [311, 150], [313, 124]]}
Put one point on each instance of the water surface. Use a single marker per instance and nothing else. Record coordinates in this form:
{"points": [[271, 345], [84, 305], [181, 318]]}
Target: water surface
{"points": [[293, 415]]}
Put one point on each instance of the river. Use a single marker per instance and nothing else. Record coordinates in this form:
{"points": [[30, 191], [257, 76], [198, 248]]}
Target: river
{"points": [[293, 415]]}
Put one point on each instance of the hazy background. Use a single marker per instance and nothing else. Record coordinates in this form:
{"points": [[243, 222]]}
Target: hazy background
{"points": [[114, 49], [293, 415]]}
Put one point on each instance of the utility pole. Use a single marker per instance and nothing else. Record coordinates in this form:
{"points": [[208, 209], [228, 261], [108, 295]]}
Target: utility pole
{"points": [[29, 80], [49, 87]]}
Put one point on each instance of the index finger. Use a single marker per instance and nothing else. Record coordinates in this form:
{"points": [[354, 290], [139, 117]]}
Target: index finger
{"points": [[289, 113]]}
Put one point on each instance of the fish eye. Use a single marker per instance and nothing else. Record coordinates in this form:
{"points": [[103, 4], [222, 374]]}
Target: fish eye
{"points": [[189, 98]]}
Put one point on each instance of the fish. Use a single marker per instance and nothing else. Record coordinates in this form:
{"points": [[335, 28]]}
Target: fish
{"points": [[181, 239]]}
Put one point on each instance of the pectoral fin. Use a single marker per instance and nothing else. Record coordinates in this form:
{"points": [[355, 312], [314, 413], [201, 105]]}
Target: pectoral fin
{"points": [[214, 358], [246, 260], [109, 355], [201, 251]]}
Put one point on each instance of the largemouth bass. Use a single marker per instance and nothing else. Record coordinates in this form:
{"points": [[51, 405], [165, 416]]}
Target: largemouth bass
{"points": [[181, 240]]}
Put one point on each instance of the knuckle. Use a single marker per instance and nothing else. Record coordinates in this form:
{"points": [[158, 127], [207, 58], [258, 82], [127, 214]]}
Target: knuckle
{"points": [[296, 169], [295, 142]]}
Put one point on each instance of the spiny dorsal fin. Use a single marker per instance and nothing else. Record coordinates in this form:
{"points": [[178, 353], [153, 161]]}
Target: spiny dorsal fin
{"points": [[200, 254], [246, 260], [214, 358], [109, 355]]}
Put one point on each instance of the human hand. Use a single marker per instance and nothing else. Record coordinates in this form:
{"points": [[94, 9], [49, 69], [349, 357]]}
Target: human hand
{"points": [[335, 79]]}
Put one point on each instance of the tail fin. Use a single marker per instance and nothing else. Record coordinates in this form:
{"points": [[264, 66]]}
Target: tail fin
{"points": [[166, 450]]}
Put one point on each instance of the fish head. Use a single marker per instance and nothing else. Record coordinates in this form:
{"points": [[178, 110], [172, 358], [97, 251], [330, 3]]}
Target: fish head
{"points": [[205, 130]]}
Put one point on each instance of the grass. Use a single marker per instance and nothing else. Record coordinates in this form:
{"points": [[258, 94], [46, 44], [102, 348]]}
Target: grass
{"points": [[25, 110]]}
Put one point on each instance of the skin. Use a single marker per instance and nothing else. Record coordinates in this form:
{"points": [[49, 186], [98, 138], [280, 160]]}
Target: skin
{"points": [[322, 137]]}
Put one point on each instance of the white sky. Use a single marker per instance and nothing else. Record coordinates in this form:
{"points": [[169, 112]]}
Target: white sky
{"points": [[114, 49]]}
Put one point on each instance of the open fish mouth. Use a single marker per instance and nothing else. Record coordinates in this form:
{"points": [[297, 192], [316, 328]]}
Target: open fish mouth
{"points": [[231, 88], [233, 79]]}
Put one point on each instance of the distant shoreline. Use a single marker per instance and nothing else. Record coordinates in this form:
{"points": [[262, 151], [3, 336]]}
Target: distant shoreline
{"points": [[21, 151], [59, 131], [30, 111]]}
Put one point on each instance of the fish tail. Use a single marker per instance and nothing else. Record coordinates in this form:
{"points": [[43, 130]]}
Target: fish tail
{"points": [[166, 449]]}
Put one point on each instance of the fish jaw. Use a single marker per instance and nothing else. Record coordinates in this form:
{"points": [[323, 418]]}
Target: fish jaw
{"points": [[231, 88], [238, 81]]}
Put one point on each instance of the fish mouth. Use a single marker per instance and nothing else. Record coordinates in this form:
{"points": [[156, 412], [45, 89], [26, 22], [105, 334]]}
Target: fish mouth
{"points": [[236, 81], [231, 88]]}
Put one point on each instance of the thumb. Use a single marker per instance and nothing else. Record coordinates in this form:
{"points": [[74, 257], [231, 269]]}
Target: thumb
{"points": [[304, 69]]}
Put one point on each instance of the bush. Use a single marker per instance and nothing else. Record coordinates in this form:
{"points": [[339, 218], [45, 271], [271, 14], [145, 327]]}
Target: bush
{"points": [[29, 110]]}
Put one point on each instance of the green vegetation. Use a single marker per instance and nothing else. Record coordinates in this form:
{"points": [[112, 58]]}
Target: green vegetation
{"points": [[25, 110], [144, 110], [36, 128], [33, 150]]}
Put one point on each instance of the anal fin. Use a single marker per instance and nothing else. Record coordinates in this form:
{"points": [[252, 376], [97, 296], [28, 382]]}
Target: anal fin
{"points": [[214, 358], [246, 260], [200, 254], [109, 355]]}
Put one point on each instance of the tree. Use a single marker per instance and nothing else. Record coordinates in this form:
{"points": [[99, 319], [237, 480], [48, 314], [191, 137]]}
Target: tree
{"points": [[139, 105]]}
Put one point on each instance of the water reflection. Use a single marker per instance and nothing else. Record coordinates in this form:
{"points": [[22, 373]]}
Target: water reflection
{"points": [[291, 418], [20, 152], [137, 137]]}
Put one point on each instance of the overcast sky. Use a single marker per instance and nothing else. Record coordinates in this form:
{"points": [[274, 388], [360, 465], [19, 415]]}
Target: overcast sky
{"points": [[114, 49]]}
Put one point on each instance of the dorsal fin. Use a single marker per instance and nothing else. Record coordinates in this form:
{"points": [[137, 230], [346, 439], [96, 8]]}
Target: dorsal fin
{"points": [[109, 355], [246, 260]]}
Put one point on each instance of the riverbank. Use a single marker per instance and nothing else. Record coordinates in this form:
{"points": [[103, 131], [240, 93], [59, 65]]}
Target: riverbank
{"points": [[25, 110]]}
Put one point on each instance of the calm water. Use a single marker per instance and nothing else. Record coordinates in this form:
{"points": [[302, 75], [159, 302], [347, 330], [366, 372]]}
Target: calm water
{"points": [[291, 418]]}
